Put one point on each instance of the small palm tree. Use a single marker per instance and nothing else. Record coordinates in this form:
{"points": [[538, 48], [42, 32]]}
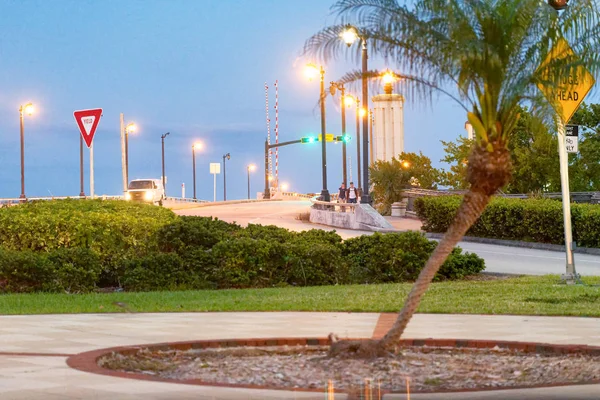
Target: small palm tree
{"points": [[486, 54]]}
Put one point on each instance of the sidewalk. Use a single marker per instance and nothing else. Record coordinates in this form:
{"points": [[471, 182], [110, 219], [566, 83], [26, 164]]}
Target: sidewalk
{"points": [[33, 349]]}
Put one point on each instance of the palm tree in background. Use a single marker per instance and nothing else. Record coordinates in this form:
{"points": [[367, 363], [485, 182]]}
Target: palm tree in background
{"points": [[487, 55]]}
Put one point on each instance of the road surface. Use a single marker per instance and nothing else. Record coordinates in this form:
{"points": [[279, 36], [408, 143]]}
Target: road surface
{"points": [[499, 259]]}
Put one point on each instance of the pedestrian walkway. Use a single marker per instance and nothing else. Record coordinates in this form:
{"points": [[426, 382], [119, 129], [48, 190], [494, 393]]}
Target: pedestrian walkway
{"points": [[33, 349]]}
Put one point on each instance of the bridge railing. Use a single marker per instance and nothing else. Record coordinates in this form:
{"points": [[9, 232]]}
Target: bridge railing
{"points": [[16, 200], [333, 205]]}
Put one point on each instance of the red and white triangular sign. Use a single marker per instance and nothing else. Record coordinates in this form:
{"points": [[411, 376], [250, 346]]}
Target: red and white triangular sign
{"points": [[87, 120]]}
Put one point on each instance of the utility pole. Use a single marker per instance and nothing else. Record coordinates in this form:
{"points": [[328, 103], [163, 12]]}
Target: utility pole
{"points": [[162, 139]]}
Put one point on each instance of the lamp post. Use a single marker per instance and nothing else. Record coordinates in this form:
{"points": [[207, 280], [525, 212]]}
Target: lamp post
{"points": [[311, 72], [162, 140], [129, 128], [225, 157], [250, 167], [346, 101], [350, 35], [195, 146], [28, 109], [359, 113]]}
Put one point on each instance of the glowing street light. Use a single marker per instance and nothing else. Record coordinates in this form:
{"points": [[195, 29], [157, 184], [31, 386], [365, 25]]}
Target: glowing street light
{"points": [[250, 168], [195, 146], [284, 187], [311, 71], [27, 109], [405, 164], [388, 79], [129, 128], [349, 35]]}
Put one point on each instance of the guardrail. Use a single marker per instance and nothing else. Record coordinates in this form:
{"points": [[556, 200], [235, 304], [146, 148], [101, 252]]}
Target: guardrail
{"points": [[333, 206], [10, 201], [185, 200]]}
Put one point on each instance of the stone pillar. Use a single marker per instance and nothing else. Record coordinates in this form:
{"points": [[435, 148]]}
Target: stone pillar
{"points": [[388, 126]]}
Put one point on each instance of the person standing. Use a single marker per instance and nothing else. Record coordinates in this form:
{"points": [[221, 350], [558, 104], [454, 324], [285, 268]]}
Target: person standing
{"points": [[352, 194], [342, 193]]}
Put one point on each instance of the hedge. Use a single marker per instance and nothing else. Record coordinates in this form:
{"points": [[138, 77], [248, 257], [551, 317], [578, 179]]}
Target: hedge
{"points": [[532, 220], [82, 246]]}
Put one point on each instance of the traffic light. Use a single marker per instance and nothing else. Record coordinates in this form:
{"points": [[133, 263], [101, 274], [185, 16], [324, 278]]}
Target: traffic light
{"points": [[308, 139], [342, 138]]}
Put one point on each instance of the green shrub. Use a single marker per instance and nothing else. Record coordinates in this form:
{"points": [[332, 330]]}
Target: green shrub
{"points": [[266, 232], [309, 263], [245, 262], [534, 220], [63, 270], [75, 270], [24, 271], [105, 227], [160, 271], [400, 257], [193, 232]]}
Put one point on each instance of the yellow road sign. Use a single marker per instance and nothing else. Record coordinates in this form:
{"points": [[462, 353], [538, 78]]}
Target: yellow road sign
{"points": [[572, 89]]}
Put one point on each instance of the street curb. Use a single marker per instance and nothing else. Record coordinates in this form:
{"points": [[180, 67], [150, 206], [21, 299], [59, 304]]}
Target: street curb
{"points": [[228, 202], [517, 243]]}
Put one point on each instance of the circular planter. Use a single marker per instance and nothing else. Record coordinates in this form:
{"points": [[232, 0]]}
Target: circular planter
{"points": [[88, 361]]}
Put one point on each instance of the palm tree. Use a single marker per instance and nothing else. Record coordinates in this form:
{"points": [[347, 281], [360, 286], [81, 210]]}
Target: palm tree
{"points": [[489, 56]]}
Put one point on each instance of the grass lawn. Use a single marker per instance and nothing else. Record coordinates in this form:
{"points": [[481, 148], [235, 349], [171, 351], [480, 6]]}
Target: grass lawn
{"points": [[525, 295]]}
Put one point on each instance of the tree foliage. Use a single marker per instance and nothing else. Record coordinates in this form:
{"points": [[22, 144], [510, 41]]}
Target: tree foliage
{"points": [[390, 178]]}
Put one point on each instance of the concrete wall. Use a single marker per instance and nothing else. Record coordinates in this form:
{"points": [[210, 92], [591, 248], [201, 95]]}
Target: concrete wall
{"points": [[364, 218]]}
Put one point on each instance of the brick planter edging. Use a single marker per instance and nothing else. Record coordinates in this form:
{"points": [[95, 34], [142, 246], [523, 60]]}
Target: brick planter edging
{"points": [[88, 361]]}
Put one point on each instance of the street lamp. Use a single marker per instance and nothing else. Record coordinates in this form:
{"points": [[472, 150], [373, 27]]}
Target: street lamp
{"points": [[284, 186], [558, 4], [162, 139], [225, 157], [250, 167], [388, 79], [27, 109], [350, 35], [311, 72], [195, 146], [345, 103], [129, 128]]}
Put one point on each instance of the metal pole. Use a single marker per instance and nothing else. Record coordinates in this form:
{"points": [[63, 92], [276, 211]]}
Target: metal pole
{"points": [[81, 178], [570, 277], [126, 156], [22, 153], [162, 139], [324, 192], [224, 180], [215, 187], [267, 192], [371, 136], [358, 164], [344, 158], [248, 168], [194, 169], [366, 198], [92, 170], [125, 183]]}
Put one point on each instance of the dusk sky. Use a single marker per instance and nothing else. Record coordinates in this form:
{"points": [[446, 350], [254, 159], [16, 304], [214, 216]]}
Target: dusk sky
{"points": [[194, 68]]}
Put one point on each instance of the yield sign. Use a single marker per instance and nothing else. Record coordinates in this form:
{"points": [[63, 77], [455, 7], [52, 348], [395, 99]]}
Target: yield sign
{"points": [[87, 120], [571, 89]]}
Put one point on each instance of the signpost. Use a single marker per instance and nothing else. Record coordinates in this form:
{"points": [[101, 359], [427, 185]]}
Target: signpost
{"points": [[566, 98], [215, 168], [87, 121], [572, 138]]}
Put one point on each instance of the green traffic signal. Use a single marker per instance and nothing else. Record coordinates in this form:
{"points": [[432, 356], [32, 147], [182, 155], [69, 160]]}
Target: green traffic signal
{"points": [[342, 138], [308, 139]]}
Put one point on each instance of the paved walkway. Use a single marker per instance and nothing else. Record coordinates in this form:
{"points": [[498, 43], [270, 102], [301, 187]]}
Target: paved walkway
{"points": [[33, 349]]}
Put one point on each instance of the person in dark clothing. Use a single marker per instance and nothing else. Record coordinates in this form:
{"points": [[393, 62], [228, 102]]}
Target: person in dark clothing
{"points": [[342, 193]]}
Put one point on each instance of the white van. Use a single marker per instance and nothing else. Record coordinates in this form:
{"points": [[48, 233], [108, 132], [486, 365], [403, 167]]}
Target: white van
{"points": [[146, 191]]}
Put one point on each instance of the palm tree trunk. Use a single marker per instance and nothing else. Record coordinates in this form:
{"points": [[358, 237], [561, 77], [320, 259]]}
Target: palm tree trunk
{"points": [[469, 211]]}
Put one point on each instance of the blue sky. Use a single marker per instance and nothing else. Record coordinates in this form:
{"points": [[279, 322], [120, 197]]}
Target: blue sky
{"points": [[195, 68]]}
